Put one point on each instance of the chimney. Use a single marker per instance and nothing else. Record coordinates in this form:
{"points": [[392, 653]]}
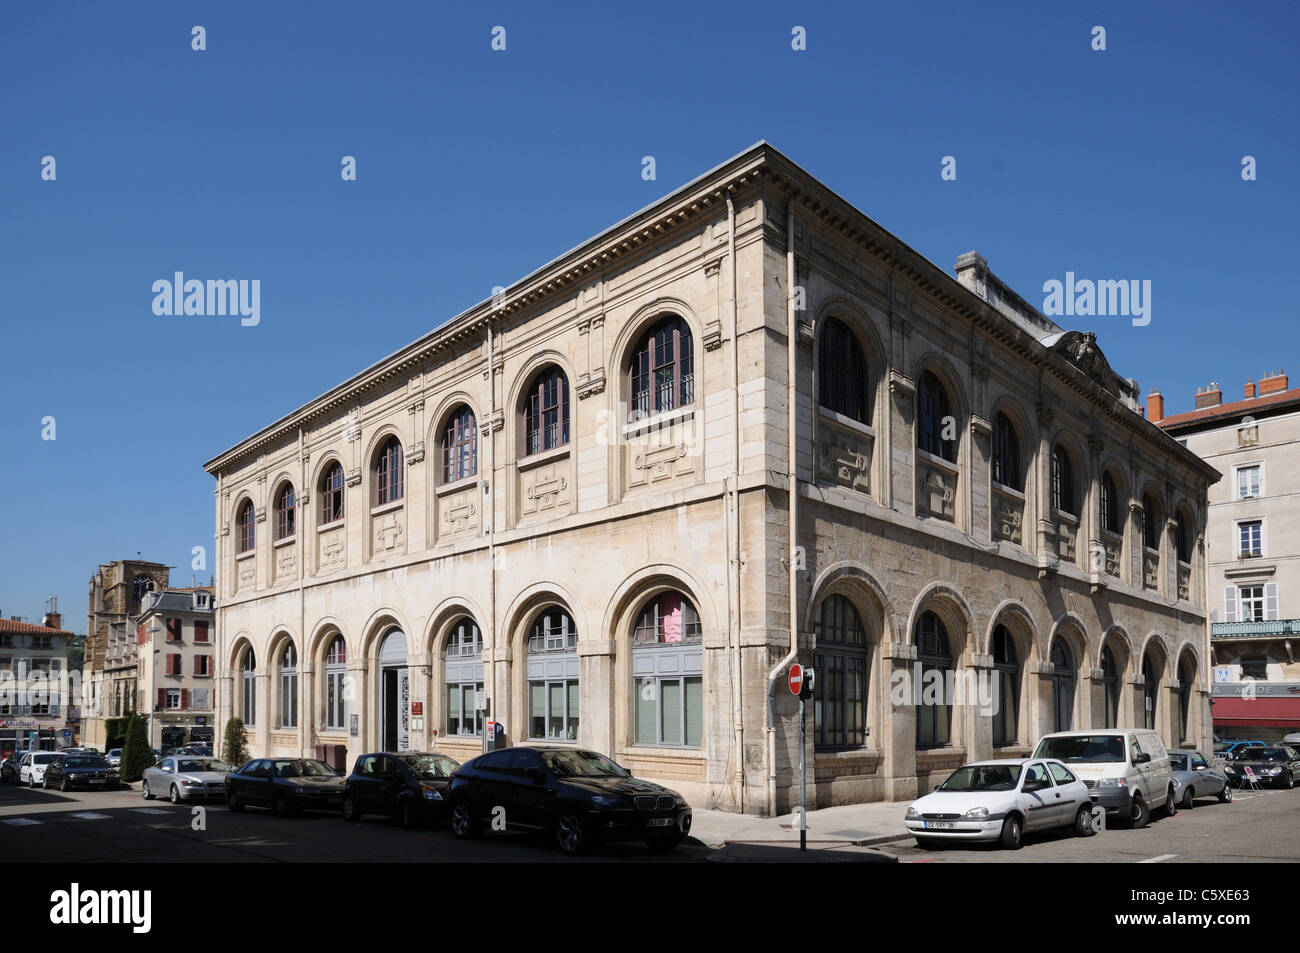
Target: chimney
{"points": [[1273, 383], [1209, 396], [1250, 389], [53, 618], [1155, 406]]}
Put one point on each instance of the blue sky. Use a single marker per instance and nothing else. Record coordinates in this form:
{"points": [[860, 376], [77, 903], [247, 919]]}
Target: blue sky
{"points": [[474, 167]]}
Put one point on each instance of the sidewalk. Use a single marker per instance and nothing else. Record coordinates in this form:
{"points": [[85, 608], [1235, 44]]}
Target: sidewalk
{"points": [[831, 831]]}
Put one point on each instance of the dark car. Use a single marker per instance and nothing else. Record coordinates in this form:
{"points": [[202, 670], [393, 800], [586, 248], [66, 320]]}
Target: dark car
{"points": [[9, 767], [285, 785], [1277, 766], [580, 797], [410, 786], [90, 771]]}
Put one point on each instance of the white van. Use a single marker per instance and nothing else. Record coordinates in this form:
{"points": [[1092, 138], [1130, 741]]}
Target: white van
{"points": [[1126, 770]]}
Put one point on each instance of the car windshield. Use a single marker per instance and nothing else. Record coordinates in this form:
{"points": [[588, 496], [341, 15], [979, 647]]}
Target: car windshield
{"points": [[1099, 749], [430, 765], [45, 758], [582, 764], [1268, 754], [84, 761], [114, 752], [1178, 762], [304, 769], [983, 777], [189, 765]]}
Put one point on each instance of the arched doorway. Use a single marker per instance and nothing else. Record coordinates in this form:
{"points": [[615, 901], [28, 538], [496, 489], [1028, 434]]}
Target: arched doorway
{"points": [[394, 693]]}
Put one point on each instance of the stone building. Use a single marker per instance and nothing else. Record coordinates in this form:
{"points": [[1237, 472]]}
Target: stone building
{"points": [[37, 709], [176, 668], [573, 501], [1254, 549], [110, 669]]}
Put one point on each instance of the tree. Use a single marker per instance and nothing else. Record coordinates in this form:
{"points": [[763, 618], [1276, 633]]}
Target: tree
{"points": [[136, 754], [235, 749]]}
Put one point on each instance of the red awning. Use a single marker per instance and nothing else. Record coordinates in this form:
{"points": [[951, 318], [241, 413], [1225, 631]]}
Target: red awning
{"points": [[1262, 712]]}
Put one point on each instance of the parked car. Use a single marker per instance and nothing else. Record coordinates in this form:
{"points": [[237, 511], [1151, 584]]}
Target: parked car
{"points": [[1195, 776], [31, 769], [1293, 739], [1001, 800], [114, 758], [200, 748], [90, 771], [9, 767], [285, 785], [580, 797], [1274, 767], [180, 778], [1126, 770], [1230, 747], [410, 786]]}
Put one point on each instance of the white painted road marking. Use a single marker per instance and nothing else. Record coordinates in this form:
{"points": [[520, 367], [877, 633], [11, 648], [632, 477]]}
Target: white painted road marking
{"points": [[1156, 860], [20, 821], [91, 816], [149, 810]]}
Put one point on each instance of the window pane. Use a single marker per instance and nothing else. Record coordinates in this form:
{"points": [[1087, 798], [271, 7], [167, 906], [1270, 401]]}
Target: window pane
{"points": [[536, 710], [555, 716], [453, 709], [572, 734], [694, 711], [670, 690], [646, 710]]}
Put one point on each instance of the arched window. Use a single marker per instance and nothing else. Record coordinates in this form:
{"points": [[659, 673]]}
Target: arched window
{"points": [[1183, 538], [1006, 663], [248, 684], [336, 684], [1006, 454], [388, 472], [289, 686], [1150, 522], [553, 677], [1110, 505], [463, 677], [460, 446], [668, 673], [1186, 682], [934, 419], [546, 412], [1063, 481], [1150, 691], [245, 524], [1063, 683], [139, 587], [842, 372], [284, 512], [933, 716], [331, 494], [1110, 688], [841, 664], [661, 374]]}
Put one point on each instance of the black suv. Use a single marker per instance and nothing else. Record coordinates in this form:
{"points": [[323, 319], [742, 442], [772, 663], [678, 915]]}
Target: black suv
{"points": [[581, 797], [410, 786]]}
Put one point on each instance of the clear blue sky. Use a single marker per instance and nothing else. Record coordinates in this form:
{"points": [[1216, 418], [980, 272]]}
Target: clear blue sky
{"points": [[475, 167]]}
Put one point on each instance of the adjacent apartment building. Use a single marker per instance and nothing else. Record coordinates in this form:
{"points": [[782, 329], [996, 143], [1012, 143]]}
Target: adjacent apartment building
{"points": [[36, 707], [110, 673], [744, 427], [175, 640], [1253, 551]]}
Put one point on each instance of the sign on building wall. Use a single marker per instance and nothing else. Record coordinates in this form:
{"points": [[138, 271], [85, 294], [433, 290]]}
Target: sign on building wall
{"points": [[355, 728]]}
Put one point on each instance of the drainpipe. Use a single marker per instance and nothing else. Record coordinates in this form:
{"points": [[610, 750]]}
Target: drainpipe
{"points": [[492, 525], [308, 708], [791, 464], [733, 633]]}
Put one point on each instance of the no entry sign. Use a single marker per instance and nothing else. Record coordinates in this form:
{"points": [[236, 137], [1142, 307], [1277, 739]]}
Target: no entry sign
{"points": [[796, 678]]}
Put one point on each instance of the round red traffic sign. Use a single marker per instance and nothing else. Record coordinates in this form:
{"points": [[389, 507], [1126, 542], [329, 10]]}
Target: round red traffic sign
{"points": [[796, 678]]}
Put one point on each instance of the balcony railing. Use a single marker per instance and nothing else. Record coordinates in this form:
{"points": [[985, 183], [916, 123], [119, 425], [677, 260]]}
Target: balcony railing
{"points": [[1254, 630]]}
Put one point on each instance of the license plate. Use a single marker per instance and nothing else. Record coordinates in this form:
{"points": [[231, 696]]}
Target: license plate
{"points": [[96, 780], [659, 822], [939, 825]]}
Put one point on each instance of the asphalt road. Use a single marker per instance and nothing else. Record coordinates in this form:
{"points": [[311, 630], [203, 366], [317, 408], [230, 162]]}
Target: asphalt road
{"points": [[1258, 826]]}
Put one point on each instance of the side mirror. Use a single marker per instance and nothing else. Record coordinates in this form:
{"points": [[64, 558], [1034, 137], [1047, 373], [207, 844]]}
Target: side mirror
{"points": [[537, 775], [1142, 758]]}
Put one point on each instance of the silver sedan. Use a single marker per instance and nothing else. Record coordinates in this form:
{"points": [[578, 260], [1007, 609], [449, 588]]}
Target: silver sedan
{"points": [[185, 778]]}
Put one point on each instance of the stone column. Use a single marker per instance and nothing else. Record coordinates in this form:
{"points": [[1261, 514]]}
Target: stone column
{"points": [[1048, 554], [899, 741]]}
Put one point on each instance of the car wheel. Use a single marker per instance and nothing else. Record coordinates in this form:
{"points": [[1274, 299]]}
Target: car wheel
{"points": [[571, 832], [1171, 803], [233, 802], [280, 806], [1139, 815], [1083, 821], [145, 792], [1290, 782], [63, 786], [174, 795], [1188, 797], [350, 812], [1012, 833], [463, 822], [1225, 796]]}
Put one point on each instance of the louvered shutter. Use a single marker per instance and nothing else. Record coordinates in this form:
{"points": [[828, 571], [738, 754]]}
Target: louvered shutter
{"points": [[1230, 603], [1270, 600], [162, 698], [185, 698]]}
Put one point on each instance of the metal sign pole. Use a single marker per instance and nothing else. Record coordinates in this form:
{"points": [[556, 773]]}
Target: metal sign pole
{"points": [[803, 779]]}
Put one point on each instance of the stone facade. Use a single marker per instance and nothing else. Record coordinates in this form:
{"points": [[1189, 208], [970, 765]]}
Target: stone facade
{"points": [[673, 495], [176, 636]]}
